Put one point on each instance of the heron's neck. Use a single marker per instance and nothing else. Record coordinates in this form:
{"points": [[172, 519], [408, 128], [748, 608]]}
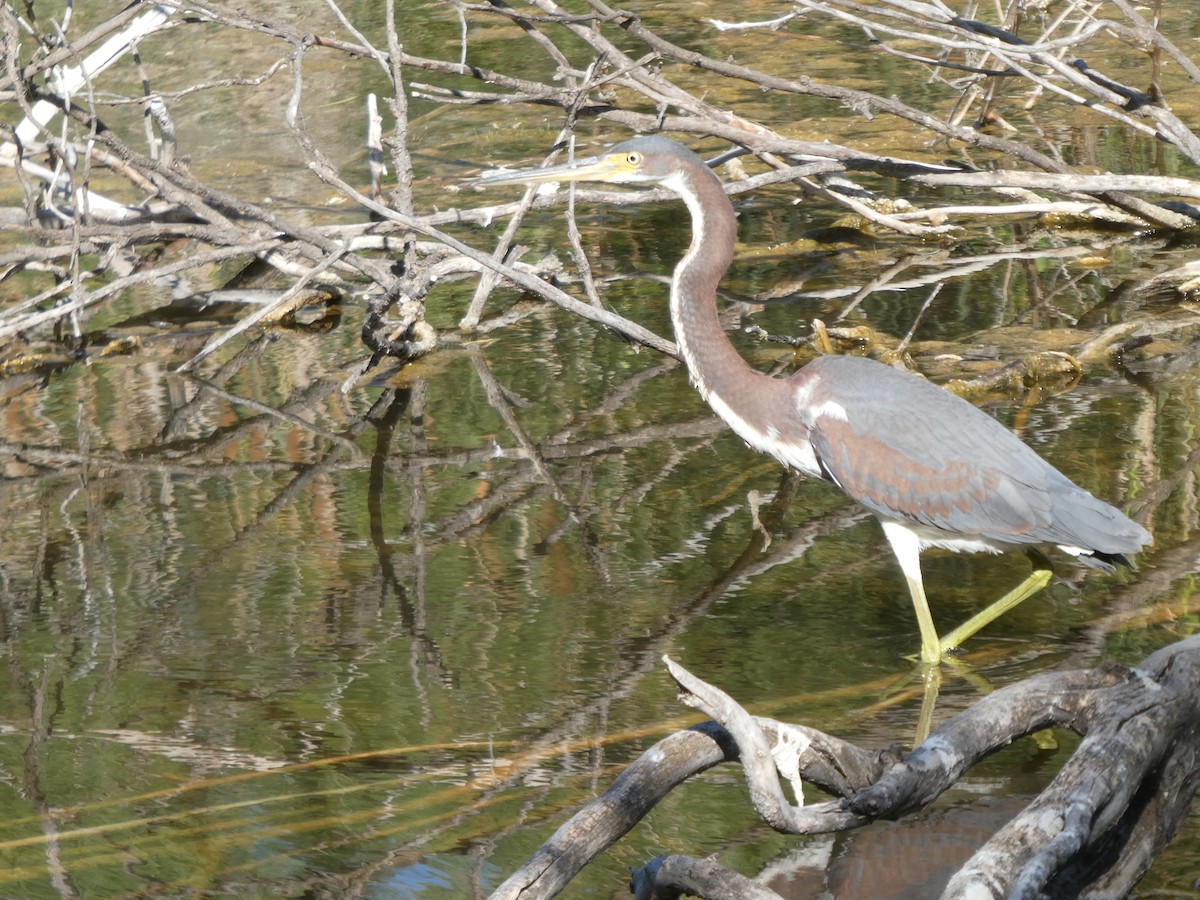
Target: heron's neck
{"points": [[739, 394]]}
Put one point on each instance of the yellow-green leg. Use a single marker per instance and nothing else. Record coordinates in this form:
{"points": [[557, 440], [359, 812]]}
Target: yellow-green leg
{"points": [[906, 546], [932, 650], [1037, 580]]}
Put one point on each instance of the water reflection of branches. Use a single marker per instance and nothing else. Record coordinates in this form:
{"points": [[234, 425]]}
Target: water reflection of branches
{"points": [[508, 494], [637, 655], [425, 658]]}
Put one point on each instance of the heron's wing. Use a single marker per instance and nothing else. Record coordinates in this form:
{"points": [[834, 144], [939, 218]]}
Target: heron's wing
{"points": [[946, 482], [909, 450]]}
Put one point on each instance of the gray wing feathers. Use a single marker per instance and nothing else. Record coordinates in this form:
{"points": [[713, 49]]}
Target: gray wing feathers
{"points": [[909, 450]]}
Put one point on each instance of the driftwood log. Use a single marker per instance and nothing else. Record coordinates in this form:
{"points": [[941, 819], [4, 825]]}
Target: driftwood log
{"points": [[1093, 832]]}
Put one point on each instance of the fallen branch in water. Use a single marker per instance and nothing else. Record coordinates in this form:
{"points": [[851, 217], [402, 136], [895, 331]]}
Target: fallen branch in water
{"points": [[1093, 831]]}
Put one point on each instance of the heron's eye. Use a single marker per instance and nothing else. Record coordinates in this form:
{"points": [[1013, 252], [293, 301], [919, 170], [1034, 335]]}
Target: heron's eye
{"points": [[634, 158]]}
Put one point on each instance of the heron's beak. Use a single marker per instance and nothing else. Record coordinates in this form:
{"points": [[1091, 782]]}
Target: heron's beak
{"points": [[598, 168]]}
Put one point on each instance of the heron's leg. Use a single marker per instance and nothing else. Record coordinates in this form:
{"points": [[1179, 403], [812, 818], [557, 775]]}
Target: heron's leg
{"points": [[1038, 579], [907, 548]]}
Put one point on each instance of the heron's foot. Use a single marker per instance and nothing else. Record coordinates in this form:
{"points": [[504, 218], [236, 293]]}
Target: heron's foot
{"points": [[933, 656], [926, 667]]}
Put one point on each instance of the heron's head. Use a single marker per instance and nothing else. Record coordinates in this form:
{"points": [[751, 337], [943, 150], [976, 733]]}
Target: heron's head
{"points": [[643, 160]]}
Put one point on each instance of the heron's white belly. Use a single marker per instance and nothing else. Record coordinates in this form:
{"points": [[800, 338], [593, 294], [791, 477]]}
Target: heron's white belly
{"points": [[934, 537]]}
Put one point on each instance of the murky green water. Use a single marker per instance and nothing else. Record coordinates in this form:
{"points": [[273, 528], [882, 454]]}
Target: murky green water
{"points": [[265, 638]]}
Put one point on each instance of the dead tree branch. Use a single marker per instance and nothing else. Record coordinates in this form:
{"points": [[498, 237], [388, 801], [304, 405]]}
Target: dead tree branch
{"points": [[609, 65], [1091, 833]]}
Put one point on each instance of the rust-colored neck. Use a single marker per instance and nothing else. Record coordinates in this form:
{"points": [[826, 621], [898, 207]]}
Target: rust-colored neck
{"points": [[745, 398]]}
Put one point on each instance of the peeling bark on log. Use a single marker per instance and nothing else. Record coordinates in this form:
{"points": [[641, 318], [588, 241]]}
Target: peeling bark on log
{"points": [[1091, 833], [1119, 799]]}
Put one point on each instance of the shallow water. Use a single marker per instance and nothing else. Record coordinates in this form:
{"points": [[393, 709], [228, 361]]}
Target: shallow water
{"points": [[266, 638]]}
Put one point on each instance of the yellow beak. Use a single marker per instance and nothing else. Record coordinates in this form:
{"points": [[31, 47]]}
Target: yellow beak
{"points": [[608, 167]]}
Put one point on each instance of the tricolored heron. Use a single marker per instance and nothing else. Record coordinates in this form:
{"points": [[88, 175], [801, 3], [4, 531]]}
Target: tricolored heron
{"points": [[935, 471]]}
